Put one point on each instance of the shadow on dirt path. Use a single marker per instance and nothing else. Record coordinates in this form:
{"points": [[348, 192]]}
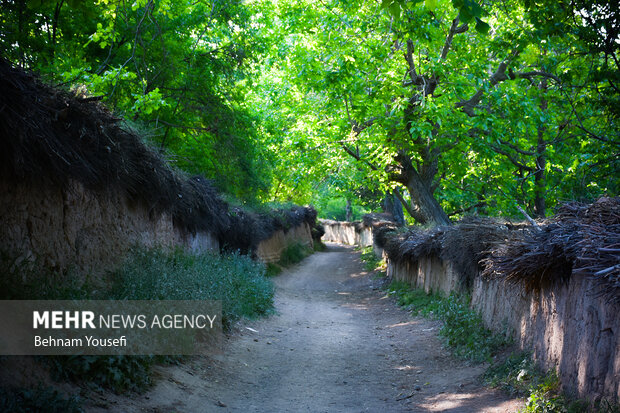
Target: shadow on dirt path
{"points": [[336, 344]]}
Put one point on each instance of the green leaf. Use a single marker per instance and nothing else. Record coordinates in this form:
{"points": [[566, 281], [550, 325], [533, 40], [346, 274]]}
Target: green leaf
{"points": [[481, 26], [430, 4]]}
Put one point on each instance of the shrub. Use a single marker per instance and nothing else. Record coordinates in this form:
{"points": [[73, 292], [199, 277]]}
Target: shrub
{"points": [[371, 262], [294, 253], [119, 373], [236, 280], [155, 274]]}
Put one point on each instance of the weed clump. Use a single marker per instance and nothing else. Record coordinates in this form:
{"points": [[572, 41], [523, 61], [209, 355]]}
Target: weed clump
{"points": [[294, 253], [236, 280], [371, 262], [519, 375]]}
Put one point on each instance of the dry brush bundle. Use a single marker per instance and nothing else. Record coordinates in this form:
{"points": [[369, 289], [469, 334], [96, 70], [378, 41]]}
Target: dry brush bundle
{"points": [[598, 251], [463, 244], [414, 244], [581, 238], [248, 228], [50, 136], [468, 242]]}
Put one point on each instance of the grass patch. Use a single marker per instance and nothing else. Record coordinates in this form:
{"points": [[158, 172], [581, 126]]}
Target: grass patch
{"points": [[462, 329], [271, 269], [371, 262], [236, 280], [319, 246], [294, 253]]}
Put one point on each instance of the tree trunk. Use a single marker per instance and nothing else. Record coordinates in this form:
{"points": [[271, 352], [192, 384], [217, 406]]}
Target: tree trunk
{"points": [[541, 162], [349, 211], [424, 208], [393, 206], [427, 209]]}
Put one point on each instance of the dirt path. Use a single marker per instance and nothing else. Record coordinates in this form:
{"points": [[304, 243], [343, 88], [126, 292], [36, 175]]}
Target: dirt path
{"points": [[336, 344]]}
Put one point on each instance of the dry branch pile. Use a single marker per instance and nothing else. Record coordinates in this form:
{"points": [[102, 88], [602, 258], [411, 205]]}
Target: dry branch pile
{"points": [[250, 228], [581, 238], [49, 136], [463, 244]]}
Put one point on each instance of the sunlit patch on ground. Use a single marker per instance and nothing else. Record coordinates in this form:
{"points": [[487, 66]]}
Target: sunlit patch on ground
{"points": [[464, 402]]}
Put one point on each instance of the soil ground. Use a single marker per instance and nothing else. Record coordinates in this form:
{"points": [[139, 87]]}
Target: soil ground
{"points": [[337, 343]]}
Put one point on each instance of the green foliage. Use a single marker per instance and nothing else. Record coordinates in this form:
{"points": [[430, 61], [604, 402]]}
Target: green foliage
{"points": [[415, 300], [462, 328], [236, 280], [185, 87], [371, 262], [294, 253], [518, 375], [306, 102], [546, 397], [319, 246], [39, 399], [336, 209]]}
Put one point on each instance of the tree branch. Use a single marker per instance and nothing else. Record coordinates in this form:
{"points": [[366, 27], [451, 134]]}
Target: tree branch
{"points": [[529, 219], [454, 29], [360, 127], [530, 75], [469, 104], [415, 79], [512, 159], [516, 148], [497, 77], [357, 156]]}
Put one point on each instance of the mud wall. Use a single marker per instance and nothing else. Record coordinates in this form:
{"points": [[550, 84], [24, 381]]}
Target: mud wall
{"points": [[565, 326], [428, 273], [350, 233], [89, 232], [270, 250]]}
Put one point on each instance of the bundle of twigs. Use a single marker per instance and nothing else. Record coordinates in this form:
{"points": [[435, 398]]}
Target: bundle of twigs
{"points": [[414, 244], [598, 252], [469, 241], [581, 238]]}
